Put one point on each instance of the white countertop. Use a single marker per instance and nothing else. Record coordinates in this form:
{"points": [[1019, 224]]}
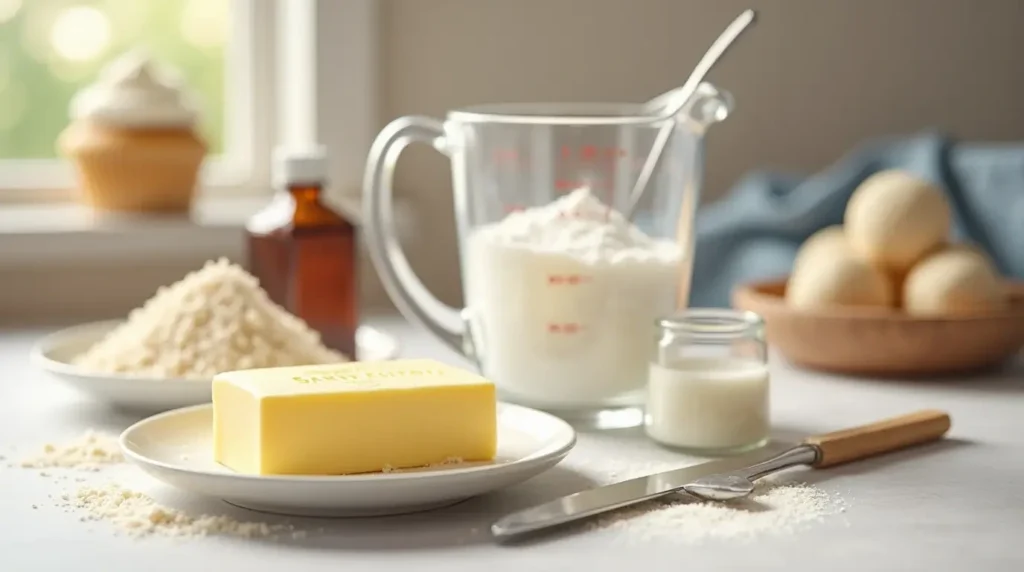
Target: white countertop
{"points": [[952, 506]]}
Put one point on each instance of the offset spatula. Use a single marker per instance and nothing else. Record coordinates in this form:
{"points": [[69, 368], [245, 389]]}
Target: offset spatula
{"points": [[727, 478]]}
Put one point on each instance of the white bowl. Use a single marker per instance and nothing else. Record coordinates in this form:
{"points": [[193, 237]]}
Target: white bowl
{"points": [[55, 352], [176, 448]]}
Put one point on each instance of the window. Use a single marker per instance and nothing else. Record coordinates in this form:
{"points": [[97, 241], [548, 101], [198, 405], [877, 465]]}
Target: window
{"points": [[49, 49], [268, 70]]}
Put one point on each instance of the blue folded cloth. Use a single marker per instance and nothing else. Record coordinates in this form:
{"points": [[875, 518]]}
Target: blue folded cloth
{"points": [[755, 231]]}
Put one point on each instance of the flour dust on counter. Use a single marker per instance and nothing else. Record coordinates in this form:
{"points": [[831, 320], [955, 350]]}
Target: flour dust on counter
{"points": [[779, 505], [103, 497], [775, 508], [90, 451], [137, 514]]}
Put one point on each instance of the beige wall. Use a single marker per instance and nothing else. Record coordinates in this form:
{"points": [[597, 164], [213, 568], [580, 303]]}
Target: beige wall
{"points": [[811, 79]]}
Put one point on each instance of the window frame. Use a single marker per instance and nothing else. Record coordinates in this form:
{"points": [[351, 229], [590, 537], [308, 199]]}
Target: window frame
{"points": [[340, 73], [248, 130]]}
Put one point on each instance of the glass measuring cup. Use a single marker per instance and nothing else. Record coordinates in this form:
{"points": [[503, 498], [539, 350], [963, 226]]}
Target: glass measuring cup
{"points": [[561, 292]]}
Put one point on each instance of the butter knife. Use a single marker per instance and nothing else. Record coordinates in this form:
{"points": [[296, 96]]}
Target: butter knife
{"points": [[610, 497], [820, 451]]}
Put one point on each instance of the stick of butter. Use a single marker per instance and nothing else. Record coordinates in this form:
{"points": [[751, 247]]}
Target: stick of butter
{"points": [[354, 417]]}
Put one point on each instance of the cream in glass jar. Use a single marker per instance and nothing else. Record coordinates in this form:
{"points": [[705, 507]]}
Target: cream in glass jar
{"points": [[708, 386]]}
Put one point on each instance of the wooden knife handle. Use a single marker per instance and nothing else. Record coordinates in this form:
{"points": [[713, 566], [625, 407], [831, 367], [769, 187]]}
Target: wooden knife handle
{"points": [[879, 437]]}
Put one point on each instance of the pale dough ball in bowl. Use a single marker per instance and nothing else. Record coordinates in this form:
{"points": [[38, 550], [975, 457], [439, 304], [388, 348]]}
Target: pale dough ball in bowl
{"points": [[827, 242], [895, 218], [839, 280], [958, 280]]}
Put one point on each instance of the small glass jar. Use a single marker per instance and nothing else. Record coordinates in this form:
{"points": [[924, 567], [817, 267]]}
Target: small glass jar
{"points": [[708, 387]]}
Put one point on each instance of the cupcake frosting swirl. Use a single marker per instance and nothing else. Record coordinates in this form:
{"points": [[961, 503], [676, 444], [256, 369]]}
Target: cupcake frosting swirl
{"points": [[133, 92]]}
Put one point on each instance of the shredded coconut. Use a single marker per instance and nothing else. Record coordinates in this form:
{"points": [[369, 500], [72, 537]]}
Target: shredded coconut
{"points": [[773, 509], [137, 514], [213, 320], [89, 452]]}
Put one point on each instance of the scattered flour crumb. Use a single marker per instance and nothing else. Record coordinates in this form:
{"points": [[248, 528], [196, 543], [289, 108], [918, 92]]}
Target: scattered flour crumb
{"points": [[773, 509], [91, 451], [448, 461], [137, 514]]}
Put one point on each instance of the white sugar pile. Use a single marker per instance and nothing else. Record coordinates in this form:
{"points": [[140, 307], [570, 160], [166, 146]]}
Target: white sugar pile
{"points": [[773, 509], [213, 320], [89, 452], [137, 514]]}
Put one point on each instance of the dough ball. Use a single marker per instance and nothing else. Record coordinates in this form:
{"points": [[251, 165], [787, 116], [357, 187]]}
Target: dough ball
{"points": [[840, 280], [955, 281], [895, 218], [829, 241]]}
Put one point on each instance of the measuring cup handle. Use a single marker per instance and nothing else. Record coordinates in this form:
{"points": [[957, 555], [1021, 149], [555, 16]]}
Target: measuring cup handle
{"points": [[400, 282]]}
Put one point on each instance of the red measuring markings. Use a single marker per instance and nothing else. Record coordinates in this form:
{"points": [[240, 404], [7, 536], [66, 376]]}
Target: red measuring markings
{"points": [[592, 153], [506, 156], [583, 153], [564, 328], [567, 279]]}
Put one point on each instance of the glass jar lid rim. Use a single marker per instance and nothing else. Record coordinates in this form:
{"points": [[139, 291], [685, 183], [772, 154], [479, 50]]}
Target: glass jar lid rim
{"points": [[712, 321]]}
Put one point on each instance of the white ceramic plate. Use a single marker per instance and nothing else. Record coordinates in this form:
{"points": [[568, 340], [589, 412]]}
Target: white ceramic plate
{"points": [[175, 447], [54, 353]]}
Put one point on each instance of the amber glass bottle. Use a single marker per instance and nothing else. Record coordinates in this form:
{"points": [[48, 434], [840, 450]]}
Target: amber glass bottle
{"points": [[304, 253]]}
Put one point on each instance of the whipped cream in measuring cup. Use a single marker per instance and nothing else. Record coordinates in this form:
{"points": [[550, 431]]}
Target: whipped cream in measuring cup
{"points": [[562, 300]]}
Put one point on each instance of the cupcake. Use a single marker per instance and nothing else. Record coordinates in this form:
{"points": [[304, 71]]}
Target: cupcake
{"points": [[133, 140]]}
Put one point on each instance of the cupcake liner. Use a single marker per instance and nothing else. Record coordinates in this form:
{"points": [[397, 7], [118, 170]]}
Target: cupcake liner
{"points": [[136, 170]]}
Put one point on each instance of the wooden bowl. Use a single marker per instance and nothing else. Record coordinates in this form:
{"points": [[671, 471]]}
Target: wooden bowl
{"points": [[884, 342]]}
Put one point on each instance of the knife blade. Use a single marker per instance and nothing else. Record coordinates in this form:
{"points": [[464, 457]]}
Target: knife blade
{"points": [[605, 498]]}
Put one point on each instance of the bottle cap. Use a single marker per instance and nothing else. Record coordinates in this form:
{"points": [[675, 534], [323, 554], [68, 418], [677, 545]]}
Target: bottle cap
{"points": [[293, 166]]}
